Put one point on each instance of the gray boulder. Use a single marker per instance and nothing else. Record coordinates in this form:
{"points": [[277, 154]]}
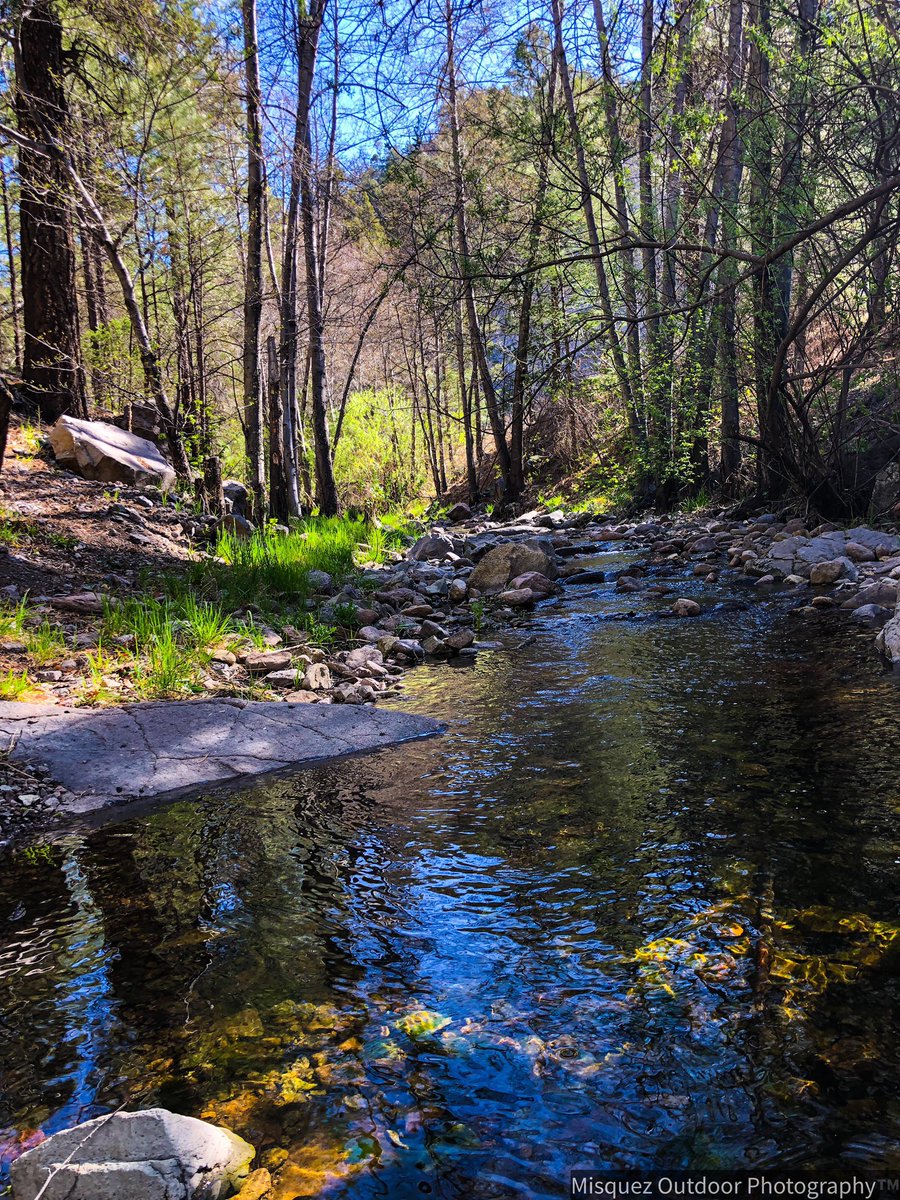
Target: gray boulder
{"points": [[796, 555], [459, 512], [96, 450], [886, 493], [149, 1155], [871, 614], [434, 545], [237, 497]]}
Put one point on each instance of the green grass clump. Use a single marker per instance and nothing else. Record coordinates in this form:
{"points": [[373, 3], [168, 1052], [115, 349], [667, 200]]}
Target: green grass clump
{"points": [[45, 643], [167, 667], [12, 619], [172, 640], [14, 685], [268, 568]]}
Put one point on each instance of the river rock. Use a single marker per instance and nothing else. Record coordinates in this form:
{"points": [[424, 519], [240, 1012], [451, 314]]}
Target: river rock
{"points": [[317, 678], [284, 680], [880, 591], [96, 450], [435, 647], [149, 1155], [888, 641], [796, 554], [535, 582], [510, 559], [236, 525], [456, 591], [683, 607], [826, 572], [409, 648], [237, 497], [460, 640], [871, 614], [859, 553], [84, 603], [370, 633], [432, 629], [362, 656], [262, 662], [435, 545], [517, 597], [459, 512], [319, 581], [593, 575]]}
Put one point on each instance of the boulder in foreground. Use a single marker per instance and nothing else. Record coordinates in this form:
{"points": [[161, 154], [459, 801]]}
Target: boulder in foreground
{"points": [[108, 454], [149, 1155]]}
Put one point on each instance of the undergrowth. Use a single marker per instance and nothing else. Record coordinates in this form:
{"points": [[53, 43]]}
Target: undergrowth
{"points": [[268, 568], [13, 685]]}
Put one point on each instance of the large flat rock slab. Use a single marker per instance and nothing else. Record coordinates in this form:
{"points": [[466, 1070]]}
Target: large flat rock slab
{"points": [[112, 755]]}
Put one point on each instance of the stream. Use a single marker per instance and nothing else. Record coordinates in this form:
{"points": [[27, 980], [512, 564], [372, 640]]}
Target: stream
{"points": [[636, 908]]}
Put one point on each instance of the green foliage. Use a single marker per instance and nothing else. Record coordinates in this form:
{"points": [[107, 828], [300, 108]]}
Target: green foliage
{"points": [[12, 619], [702, 499], [172, 639], [168, 666], [45, 643], [477, 607], [268, 567], [374, 465], [32, 437], [14, 685]]}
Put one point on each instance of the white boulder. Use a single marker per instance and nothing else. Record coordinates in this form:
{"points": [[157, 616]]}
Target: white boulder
{"points": [[149, 1155], [106, 453]]}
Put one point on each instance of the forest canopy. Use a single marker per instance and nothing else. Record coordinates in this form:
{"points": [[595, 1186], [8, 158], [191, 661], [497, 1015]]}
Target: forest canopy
{"points": [[363, 253]]}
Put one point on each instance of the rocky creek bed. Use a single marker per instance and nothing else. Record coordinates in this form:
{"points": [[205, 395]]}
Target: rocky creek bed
{"points": [[462, 582]]}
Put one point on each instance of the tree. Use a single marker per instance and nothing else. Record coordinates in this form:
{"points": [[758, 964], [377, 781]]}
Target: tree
{"points": [[52, 369], [253, 283]]}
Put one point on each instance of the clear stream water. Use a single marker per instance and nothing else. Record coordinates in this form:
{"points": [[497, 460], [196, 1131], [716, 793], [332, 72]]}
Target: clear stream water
{"points": [[637, 908]]}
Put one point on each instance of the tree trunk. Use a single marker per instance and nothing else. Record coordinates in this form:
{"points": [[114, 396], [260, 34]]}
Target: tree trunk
{"points": [[326, 488], [732, 148], [149, 361], [476, 334], [587, 204], [13, 272], [465, 395], [278, 495], [52, 369], [253, 283], [300, 211]]}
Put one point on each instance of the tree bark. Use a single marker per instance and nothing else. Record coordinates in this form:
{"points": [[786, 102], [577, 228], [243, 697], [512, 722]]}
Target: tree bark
{"points": [[13, 272], [253, 283], [587, 204], [52, 368], [476, 334]]}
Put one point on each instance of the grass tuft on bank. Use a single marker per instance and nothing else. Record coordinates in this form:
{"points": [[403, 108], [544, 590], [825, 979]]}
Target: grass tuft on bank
{"points": [[159, 644], [269, 569]]}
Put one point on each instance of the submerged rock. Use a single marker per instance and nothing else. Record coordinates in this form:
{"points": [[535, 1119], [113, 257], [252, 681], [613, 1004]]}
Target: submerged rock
{"points": [[149, 1155], [683, 607]]}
